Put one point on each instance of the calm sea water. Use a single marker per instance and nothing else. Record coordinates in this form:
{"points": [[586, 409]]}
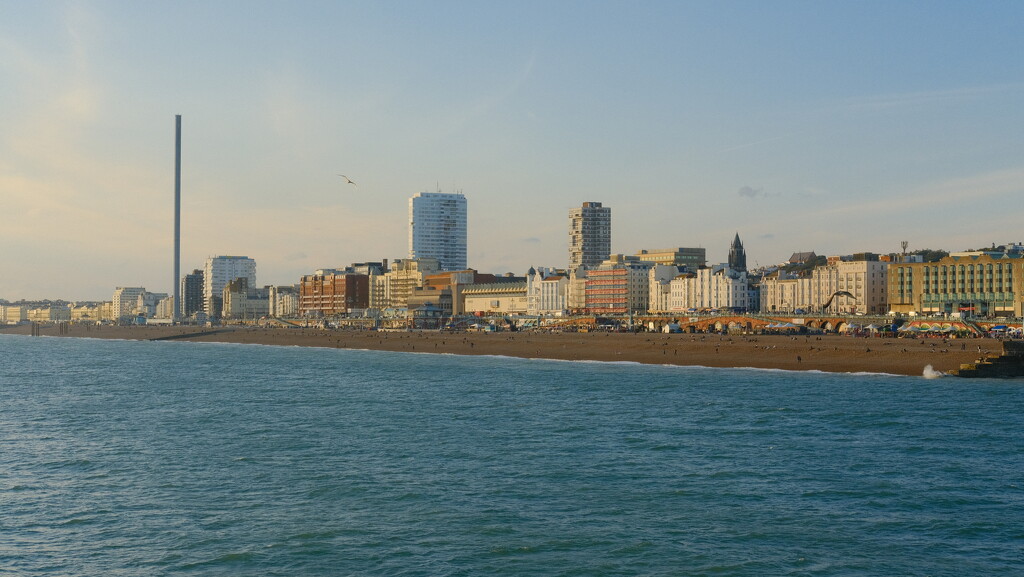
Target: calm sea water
{"points": [[140, 458]]}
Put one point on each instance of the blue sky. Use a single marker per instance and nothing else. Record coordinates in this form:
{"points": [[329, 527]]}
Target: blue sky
{"points": [[824, 126]]}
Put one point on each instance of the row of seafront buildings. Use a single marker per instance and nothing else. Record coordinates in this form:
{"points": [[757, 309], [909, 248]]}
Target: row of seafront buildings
{"points": [[417, 292], [434, 284]]}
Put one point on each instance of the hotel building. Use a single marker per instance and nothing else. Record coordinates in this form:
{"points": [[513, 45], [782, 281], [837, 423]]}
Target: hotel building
{"points": [[862, 280], [972, 283]]}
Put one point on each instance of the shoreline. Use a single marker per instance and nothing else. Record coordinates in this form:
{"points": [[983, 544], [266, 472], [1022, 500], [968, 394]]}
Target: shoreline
{"points": [[824, 353]]}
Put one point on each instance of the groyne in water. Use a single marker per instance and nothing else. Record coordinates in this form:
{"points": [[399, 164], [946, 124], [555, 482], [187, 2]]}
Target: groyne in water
{"points": [[1009, 364]]}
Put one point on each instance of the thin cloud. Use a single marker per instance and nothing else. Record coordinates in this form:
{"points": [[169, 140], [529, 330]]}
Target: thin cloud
{"points": [[953, 192], [916, 99], [751, 192], [502, 93], [750, 144]]}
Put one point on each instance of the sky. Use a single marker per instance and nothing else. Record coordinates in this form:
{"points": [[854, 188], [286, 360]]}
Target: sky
{"points": [[834, 127]]}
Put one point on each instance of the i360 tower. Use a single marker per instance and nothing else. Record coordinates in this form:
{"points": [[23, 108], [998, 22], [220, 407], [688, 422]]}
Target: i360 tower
{"points": [[437, 228], [175, 306]]}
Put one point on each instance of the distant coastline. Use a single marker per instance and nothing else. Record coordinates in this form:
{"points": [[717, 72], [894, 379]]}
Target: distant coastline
{"points": [[826, 353]]}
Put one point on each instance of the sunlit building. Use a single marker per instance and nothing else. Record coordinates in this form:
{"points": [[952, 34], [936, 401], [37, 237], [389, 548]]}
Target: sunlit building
{"points": [[840, 287], [125, 301], [219, 271], [590, 235], [330, 292], [690, 258], [977, 283]]}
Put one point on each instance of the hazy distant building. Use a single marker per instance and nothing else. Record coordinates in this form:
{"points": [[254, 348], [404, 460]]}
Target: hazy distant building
{"points": [[243, 302], [13, 314], [392, 289], [165, 308], [437, 228], [50, 314], [689, 258], [125, 300], [86, 313], [283, 301], [219, 271], [191, 294], [590, 235], [147, 303]]}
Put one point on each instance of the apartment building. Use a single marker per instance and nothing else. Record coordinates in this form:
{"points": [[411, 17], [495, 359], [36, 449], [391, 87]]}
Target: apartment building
{"points": [[437, 229], [590, 235]]}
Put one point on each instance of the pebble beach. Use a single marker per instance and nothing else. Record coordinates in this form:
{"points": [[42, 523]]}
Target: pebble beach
{"points": [[827, 353]]}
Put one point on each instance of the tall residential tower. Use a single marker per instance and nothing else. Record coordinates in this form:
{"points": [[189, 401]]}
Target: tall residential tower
{"points": [[437, 228], [219, 271], [590, 235]]}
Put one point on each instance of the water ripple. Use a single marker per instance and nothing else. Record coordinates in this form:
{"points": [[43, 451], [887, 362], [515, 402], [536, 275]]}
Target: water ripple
{"points": [[128, 458]]}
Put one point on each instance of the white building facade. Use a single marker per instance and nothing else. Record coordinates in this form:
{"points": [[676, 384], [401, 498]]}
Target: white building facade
{"points": [[219, 271], [841, 287], [659, 286], [283, 301], [547, 292], [125, 301], [713, 288]]}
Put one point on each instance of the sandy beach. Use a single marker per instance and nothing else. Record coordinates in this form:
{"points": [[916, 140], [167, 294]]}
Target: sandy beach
{"points": [[830, 353]]}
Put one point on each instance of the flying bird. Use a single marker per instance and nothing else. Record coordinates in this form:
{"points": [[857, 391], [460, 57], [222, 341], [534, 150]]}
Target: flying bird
{"points": [[349, 180]]}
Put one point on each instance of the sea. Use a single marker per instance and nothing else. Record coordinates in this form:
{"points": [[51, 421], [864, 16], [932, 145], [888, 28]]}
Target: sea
{"points": [[133, 458]]}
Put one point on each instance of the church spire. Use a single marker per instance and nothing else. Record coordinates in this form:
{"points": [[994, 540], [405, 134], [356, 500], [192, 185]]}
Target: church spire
{"points": [[737, 256]]}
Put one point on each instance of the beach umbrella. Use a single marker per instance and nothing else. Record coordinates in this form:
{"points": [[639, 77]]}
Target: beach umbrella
{"points": [[872, 327]]}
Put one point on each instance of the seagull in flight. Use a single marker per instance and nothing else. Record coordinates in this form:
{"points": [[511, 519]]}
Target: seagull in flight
{"points": [[349, 180]]}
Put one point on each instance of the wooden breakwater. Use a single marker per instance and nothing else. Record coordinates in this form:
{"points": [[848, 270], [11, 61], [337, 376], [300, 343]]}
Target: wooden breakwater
{"points": [[1009, 364]]}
